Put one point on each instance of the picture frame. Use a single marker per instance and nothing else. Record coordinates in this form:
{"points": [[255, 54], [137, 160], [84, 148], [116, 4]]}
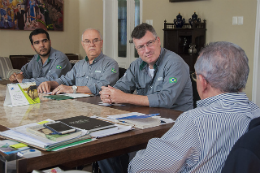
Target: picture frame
{"points": [[31, 14], [182, 0]]}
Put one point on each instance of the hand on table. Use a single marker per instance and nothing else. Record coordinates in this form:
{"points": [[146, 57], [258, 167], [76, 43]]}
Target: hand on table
{"points": [[62, 89], [112, 95]]}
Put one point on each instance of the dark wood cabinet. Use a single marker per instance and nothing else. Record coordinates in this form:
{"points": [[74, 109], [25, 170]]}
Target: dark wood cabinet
{"points": [[18, 61], [179, 40]]}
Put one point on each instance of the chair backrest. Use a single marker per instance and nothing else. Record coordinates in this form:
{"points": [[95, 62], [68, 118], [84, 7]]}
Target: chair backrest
{"points": [[5, 66], [245, 154], [121, 72]]}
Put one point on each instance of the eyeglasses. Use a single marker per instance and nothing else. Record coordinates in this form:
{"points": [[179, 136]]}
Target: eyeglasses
{"points": [[194, 76], [88, 42], [148, 44]]}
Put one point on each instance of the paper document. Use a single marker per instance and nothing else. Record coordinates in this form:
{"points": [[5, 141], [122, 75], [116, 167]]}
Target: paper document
{"points": [[103, 133]]}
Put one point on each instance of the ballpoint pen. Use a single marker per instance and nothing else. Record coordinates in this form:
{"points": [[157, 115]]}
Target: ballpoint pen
{"points": [[138, 116]]}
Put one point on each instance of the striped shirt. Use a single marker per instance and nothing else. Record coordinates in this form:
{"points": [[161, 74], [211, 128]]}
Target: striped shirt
{"points": [[201, 139]]}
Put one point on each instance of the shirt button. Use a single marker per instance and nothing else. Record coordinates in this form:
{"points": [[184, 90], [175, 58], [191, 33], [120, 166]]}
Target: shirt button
{"points": [[151, 86], [87, 77]]}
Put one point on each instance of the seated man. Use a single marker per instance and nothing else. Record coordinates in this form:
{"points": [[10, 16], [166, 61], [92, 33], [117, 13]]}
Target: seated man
{"points": [[47, 64], [202, 138], [160, 77], [87, 75]]}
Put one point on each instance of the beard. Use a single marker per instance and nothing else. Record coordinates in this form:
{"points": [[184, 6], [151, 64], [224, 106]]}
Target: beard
{"points": [[44, 54]]}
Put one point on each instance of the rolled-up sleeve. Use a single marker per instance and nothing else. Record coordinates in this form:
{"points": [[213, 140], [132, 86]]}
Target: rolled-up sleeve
{"points": [[127, 82]]}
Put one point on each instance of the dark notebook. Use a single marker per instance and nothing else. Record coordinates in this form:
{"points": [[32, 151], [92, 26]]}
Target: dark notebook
{"points": [[87, 123]]}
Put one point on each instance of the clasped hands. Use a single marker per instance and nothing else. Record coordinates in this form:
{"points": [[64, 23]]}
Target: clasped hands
{"points": [[111, 95], [16, 77]]}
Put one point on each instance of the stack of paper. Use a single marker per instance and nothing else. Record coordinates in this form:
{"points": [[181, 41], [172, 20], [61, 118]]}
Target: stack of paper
{"points": [[143, 123], [21, 134], [140, 120]]}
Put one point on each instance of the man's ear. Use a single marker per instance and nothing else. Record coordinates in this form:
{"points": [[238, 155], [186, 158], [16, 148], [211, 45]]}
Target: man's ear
{"points": [[203, 82], [32, 47], [82, 44]]}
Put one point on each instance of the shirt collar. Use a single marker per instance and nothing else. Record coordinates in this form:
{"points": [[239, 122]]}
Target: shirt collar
{"points": [[96, 59], [143, 64], [228, 98]]}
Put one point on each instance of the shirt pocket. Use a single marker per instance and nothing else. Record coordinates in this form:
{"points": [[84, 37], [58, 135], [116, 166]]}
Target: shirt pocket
{"points": [[141, 90], [81, 79], [96, 74], [158, 86], [36, 74]]}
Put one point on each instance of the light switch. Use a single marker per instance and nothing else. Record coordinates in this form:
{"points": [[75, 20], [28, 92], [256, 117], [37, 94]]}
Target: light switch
{"points": [[240, 20], [234, 20], [150, 22]]}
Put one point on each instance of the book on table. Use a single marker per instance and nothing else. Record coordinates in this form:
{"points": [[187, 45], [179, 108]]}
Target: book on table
{"points": [[87, 123], [44, 142]]}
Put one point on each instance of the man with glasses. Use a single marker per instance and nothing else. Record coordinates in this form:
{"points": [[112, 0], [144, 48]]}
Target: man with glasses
{"points": [[160, 77], [87, 75], [202, 138], [47, 64]]}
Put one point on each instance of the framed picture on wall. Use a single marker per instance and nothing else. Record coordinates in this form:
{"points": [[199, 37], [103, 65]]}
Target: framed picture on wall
{"points": [[182, 0], [31, 14]]}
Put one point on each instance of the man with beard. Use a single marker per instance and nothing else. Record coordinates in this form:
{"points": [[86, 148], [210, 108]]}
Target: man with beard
{"points": [[48, 64]]}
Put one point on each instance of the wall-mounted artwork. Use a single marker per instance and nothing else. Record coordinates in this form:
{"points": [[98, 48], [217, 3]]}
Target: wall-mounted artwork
{"points": [[31, 14]]}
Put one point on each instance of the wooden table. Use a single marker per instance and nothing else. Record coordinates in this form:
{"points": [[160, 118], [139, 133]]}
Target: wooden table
{"points": [[102, 148]]}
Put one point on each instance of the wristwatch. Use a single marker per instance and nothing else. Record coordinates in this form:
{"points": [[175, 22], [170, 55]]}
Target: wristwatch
{"points": [[74, 87]]}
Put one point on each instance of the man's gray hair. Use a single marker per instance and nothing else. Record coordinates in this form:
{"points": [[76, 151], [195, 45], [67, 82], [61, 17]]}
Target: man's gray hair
{"points": [[140, 30], [224, 65], [92, 29]]}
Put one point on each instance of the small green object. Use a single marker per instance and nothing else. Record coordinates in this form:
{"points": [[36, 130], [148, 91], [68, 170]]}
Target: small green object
{"points": [[58, 67], [58, 97], [113, 70], [173, 80]]}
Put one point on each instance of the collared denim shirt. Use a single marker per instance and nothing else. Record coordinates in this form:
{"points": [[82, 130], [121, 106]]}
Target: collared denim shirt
{"points": [[102, 72], [170, 87], [56, 65]]}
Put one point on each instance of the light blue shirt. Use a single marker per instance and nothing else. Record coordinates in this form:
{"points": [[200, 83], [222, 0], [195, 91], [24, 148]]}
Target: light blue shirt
{"points": [[102, 72], [170, 87], [201, 139], [56, 65]]}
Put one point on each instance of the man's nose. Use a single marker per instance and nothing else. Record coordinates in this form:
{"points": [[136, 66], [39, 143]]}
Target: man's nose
{"points": [[146, 48], [42, 44]]}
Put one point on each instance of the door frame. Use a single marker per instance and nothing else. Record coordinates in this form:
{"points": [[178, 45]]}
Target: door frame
{"points": [[256, 76], [110, 30]]}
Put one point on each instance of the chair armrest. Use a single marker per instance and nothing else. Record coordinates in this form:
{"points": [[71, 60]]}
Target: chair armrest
{"points": [[11, 71]]}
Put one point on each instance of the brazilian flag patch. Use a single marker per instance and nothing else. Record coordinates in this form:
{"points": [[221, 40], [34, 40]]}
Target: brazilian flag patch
{"points": [[58, 67], [173, 80], [113, 70]]}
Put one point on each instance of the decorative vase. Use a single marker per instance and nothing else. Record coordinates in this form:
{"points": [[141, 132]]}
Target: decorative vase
{"points": [[194, 19], [192, 49], [178, 22]]}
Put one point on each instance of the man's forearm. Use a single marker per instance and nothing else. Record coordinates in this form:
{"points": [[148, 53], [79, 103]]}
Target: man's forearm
{"points": [[83, 89], [137, 100]]}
